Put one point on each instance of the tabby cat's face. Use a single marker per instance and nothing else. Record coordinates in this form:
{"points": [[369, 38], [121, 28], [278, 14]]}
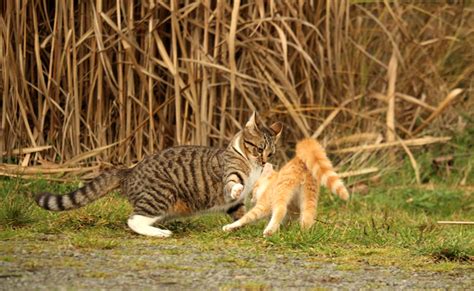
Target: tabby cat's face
{"points": [[259, 141]]}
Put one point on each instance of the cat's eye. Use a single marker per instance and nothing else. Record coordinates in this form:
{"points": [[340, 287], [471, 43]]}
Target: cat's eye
{"points": [[250, 144], [260, 150], [269, 155]]}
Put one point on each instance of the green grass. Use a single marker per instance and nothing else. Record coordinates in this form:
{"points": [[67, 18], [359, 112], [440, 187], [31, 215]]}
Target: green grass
{"points": [[390, 225]]}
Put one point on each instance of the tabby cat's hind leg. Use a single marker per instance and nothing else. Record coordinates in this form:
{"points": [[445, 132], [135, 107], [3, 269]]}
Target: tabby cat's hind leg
{"points": [[143, 225], [150, 208]]}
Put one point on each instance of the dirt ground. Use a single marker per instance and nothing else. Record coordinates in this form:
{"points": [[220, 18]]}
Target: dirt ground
{"points": [[166, 264]]}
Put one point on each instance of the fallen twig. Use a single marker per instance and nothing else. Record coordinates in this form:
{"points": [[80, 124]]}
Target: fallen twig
{"points": [[451, 96], [358, 172], [457, 222], [9, 170], [409, 142], [24, 151]]}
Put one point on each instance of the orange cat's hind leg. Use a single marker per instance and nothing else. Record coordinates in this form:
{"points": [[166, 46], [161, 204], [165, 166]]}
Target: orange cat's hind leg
{"points": [[308, 202], [283, 194], [277, 216]]}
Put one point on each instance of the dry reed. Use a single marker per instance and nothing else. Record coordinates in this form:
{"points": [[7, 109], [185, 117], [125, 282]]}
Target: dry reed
{"points": [[110, 81]]}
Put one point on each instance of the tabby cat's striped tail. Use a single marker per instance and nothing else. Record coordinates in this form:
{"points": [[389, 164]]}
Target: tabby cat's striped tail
{"points": [[315, 158], [92, 191]]}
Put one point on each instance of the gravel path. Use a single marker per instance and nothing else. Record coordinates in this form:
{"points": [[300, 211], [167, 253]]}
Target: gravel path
{"points": [[149, 264]]}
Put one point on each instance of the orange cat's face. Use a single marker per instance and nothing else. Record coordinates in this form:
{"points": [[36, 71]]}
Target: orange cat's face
{"points": [[263, 183]]}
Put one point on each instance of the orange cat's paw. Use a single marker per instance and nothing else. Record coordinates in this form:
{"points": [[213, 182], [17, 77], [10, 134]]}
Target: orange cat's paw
{"points": [[344, 195], [269, 231], [307, 221], [230, 227], [305, 225], [236, 191]]}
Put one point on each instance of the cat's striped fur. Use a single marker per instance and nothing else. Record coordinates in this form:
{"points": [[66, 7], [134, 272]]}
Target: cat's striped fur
{"points": [[182, 180], [294, 189]]}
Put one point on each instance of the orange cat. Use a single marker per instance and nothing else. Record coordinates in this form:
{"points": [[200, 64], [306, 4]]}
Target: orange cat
{"points": [[295, 188]]}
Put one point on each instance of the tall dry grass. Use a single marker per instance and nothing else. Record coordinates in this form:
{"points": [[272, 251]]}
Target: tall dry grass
{"points": [[111, 81]]}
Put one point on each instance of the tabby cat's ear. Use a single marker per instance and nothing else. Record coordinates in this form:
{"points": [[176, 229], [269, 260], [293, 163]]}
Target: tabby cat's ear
{"points": [[252, 124], [277, 128]]}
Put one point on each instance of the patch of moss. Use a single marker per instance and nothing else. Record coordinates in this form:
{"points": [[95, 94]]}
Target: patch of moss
{"points": [[94, 243], [347, 267], [246, 285], [234, 261], [7, 259], [175, 267]]}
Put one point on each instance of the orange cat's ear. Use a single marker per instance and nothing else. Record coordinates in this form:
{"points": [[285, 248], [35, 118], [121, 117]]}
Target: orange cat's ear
{"points": [[277, 128]]}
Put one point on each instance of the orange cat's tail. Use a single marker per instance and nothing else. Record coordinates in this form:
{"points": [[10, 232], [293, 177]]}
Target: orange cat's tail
{"points": [[315, 158]]}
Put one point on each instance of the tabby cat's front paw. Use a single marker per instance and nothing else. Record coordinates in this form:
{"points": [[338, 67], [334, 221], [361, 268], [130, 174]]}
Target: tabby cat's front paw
{"points": [[236, 191]]}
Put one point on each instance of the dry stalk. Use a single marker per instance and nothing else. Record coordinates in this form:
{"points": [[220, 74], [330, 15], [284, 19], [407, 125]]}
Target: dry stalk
{"points": [[112, 81]]}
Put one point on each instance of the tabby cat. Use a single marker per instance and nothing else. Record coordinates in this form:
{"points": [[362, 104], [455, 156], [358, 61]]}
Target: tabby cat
{"points": [[295, 188], [182, 180]]}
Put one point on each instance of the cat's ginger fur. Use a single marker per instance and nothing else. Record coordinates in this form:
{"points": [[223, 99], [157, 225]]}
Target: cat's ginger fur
{"points": [[294, 188]]}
